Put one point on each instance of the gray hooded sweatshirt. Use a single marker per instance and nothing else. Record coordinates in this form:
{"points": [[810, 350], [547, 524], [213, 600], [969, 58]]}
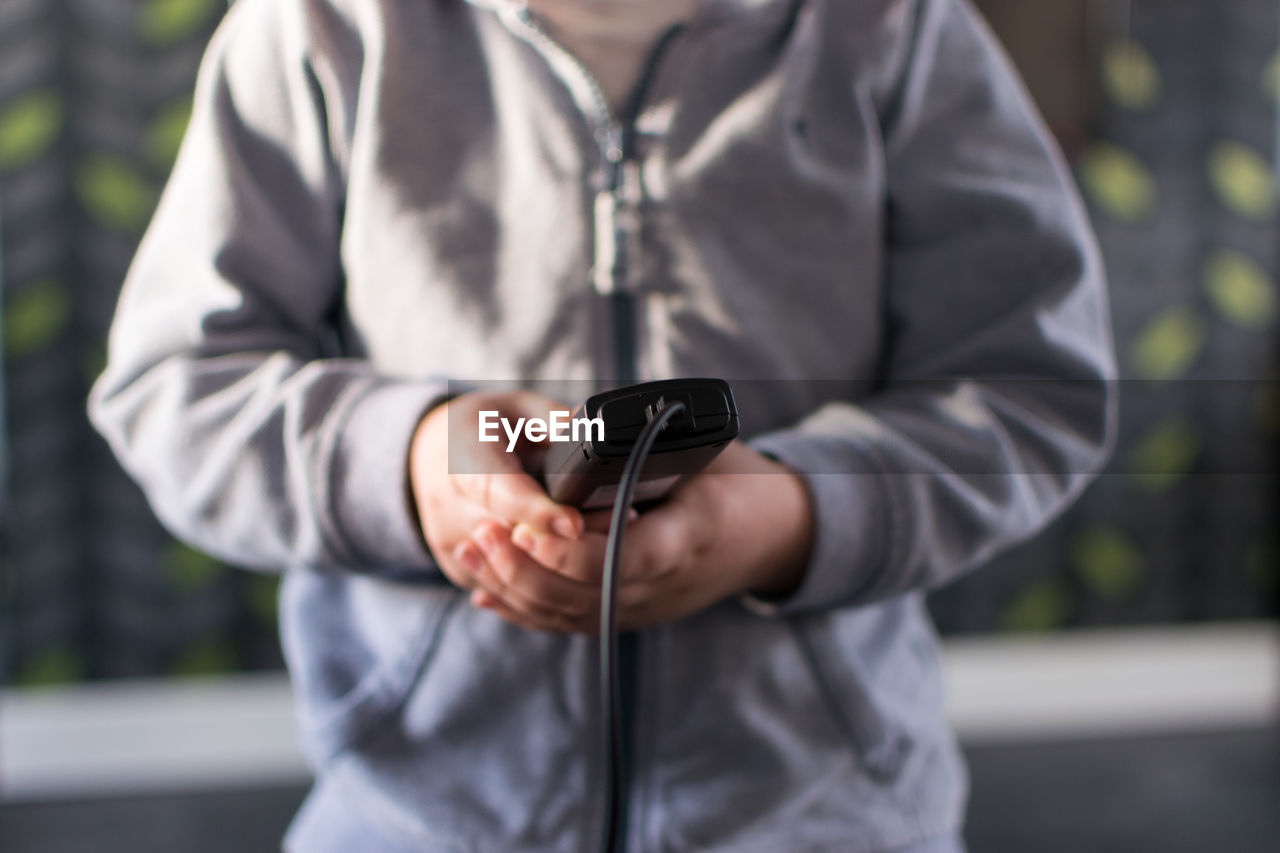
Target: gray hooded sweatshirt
{"points": [[847, 208]]}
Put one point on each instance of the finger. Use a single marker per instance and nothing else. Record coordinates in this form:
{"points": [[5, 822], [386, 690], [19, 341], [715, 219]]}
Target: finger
{"points": [[647, 604], [487, 580], [639, 600], [580, 562], [461, 565], [641, 617], [657, 543], [514, 496], [598, 521], [483, 577], [530, 582], [487, 601]]}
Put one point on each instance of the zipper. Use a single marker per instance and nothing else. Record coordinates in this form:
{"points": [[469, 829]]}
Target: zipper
{"points": [[616, 232], [615, 238], [615, 217]]}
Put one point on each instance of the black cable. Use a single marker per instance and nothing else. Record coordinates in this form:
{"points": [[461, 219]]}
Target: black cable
{"points": [[611, 697]]}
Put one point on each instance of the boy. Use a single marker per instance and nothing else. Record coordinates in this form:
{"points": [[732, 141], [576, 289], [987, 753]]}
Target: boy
{"points": [[847, 209]]}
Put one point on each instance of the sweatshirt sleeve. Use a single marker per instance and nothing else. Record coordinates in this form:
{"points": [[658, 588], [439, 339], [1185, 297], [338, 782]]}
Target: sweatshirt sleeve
{"points": [[217, 397], [996, 403]]}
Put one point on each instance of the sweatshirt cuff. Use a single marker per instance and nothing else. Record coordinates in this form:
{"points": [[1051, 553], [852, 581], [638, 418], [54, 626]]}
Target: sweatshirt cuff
{"points": [[851, 521], [370, 499]]}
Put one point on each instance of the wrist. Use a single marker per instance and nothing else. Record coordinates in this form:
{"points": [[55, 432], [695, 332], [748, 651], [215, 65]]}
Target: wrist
{"points": [[785, 555], [425, 448]]}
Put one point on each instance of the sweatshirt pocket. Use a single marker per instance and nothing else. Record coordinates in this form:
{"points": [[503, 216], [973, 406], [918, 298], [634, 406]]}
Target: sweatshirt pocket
{"points": [[356, 645], [877, 741]]}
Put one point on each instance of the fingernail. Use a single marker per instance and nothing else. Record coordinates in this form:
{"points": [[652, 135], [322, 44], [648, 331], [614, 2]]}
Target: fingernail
{"points": [[524, 538], [467, 556], [484, 537], [564, 526], [479, 598]]}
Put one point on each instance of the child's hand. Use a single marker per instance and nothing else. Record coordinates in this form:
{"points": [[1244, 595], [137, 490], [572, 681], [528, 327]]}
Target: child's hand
{"points": [[461, 512], [745, 524]]}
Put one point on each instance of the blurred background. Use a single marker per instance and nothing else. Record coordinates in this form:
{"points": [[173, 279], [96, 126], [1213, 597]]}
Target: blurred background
{"points": [[1115, 682]]}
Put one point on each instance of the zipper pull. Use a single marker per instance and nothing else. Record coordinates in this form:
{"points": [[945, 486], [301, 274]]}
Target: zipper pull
{"points": [[611, 145]]}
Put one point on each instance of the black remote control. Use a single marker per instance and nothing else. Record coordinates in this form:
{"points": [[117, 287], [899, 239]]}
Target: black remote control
{"points": [[586, 473]]}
